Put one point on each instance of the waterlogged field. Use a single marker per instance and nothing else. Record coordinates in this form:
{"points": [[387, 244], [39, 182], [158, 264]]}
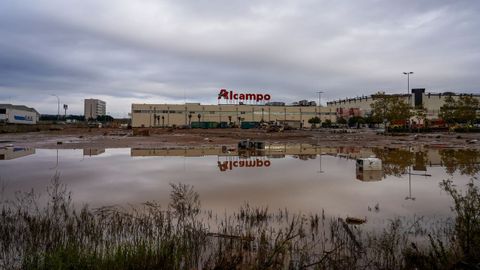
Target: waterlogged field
{"points": [[300, 178], [288, 206]]}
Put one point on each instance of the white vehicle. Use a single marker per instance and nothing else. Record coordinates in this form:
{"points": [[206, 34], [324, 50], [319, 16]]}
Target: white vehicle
{"points": [[369, 164]]}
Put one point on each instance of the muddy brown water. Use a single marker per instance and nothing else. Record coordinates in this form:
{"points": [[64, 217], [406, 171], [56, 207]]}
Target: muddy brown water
{"points": [[302, 178]]}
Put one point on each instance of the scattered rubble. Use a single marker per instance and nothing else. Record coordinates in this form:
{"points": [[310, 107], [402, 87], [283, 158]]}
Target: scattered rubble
{"points": [[121, 138]]}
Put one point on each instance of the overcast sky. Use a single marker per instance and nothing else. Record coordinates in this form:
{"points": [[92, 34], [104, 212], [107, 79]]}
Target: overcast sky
{"points": [[154, 51]]}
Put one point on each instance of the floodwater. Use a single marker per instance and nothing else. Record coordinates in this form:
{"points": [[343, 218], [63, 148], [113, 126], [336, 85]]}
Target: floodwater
{"points": [[302, 178]]}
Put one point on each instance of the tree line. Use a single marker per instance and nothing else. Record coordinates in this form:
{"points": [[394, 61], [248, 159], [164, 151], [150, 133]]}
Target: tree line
{"points": [[389, 109], [80, 118]]}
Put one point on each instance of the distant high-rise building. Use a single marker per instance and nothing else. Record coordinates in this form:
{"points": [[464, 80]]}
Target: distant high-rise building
{"points": [[94, 108]]}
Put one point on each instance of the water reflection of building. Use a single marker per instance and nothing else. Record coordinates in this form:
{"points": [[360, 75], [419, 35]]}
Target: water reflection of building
{"points": [[9, 153], [396, 161], [232, 158], [420, 162], [350, 152], [303, 151], [93, 151], [369, 176]]}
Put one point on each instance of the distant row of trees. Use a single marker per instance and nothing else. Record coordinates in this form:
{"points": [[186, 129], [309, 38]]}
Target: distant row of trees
{"points": [[80, 118], [386, 108], [391, 108], [462, 110], [51, 117]]}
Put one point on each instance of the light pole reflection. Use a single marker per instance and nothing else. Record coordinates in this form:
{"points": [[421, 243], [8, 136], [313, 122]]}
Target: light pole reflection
{"points": [[319, 153], [409, 197], [56, 163]]}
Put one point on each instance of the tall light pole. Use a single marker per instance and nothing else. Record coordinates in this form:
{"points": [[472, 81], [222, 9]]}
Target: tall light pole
{"points": [[58, 104], [319, 99], [408, 80], [318, 135]]}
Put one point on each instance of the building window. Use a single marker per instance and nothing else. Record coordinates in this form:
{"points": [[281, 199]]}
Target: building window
{"points": [[3, 111]]}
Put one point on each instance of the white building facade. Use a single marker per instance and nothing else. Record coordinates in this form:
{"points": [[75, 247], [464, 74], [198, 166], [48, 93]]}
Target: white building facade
{"points": [[18, 114]]}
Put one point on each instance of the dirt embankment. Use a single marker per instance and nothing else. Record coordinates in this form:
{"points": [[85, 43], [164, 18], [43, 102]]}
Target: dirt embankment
{"points": [[157, 138]]}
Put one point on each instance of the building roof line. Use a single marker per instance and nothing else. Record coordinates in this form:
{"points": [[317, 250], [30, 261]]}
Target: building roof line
{"points": [[18, 107], [403, 95]]}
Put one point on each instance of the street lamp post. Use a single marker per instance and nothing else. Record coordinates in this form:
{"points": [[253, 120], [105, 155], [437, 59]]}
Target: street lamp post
{"points": [[408, 80], [319, 99], [318, 135], [58, 104]]}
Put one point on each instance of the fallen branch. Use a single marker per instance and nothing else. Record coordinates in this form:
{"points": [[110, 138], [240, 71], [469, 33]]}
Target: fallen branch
{"points": [[236, 237]]}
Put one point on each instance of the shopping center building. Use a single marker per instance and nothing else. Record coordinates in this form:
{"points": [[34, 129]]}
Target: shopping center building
{"points": [[167, 115], [361, 106], [234, 108], [239, 108]]}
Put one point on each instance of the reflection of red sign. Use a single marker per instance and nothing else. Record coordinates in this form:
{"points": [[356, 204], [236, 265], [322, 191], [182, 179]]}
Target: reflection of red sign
{"points": [[229, 165], [230, 95]]}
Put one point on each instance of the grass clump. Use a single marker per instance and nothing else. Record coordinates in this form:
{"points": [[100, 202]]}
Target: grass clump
{"points": [[182, 236], [60, 237], [457, 245]]}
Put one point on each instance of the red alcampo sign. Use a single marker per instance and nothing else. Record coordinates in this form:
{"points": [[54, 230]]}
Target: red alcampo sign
{"points": [[229, 165], [230, 95]]}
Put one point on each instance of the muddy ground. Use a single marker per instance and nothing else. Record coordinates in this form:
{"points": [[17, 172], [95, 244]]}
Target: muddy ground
{"points": [[120, 138]]}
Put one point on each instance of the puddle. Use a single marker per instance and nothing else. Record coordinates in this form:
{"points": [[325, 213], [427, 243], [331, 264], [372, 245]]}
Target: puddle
{"points": [[302, 178]]}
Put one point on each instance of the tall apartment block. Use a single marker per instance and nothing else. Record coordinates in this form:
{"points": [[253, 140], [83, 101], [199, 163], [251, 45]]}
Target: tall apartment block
{"points": [[94, 108]]}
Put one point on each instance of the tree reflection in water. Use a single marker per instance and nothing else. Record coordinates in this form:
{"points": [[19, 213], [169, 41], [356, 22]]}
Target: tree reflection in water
{"points": [[465, 161], [396, 161]]}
